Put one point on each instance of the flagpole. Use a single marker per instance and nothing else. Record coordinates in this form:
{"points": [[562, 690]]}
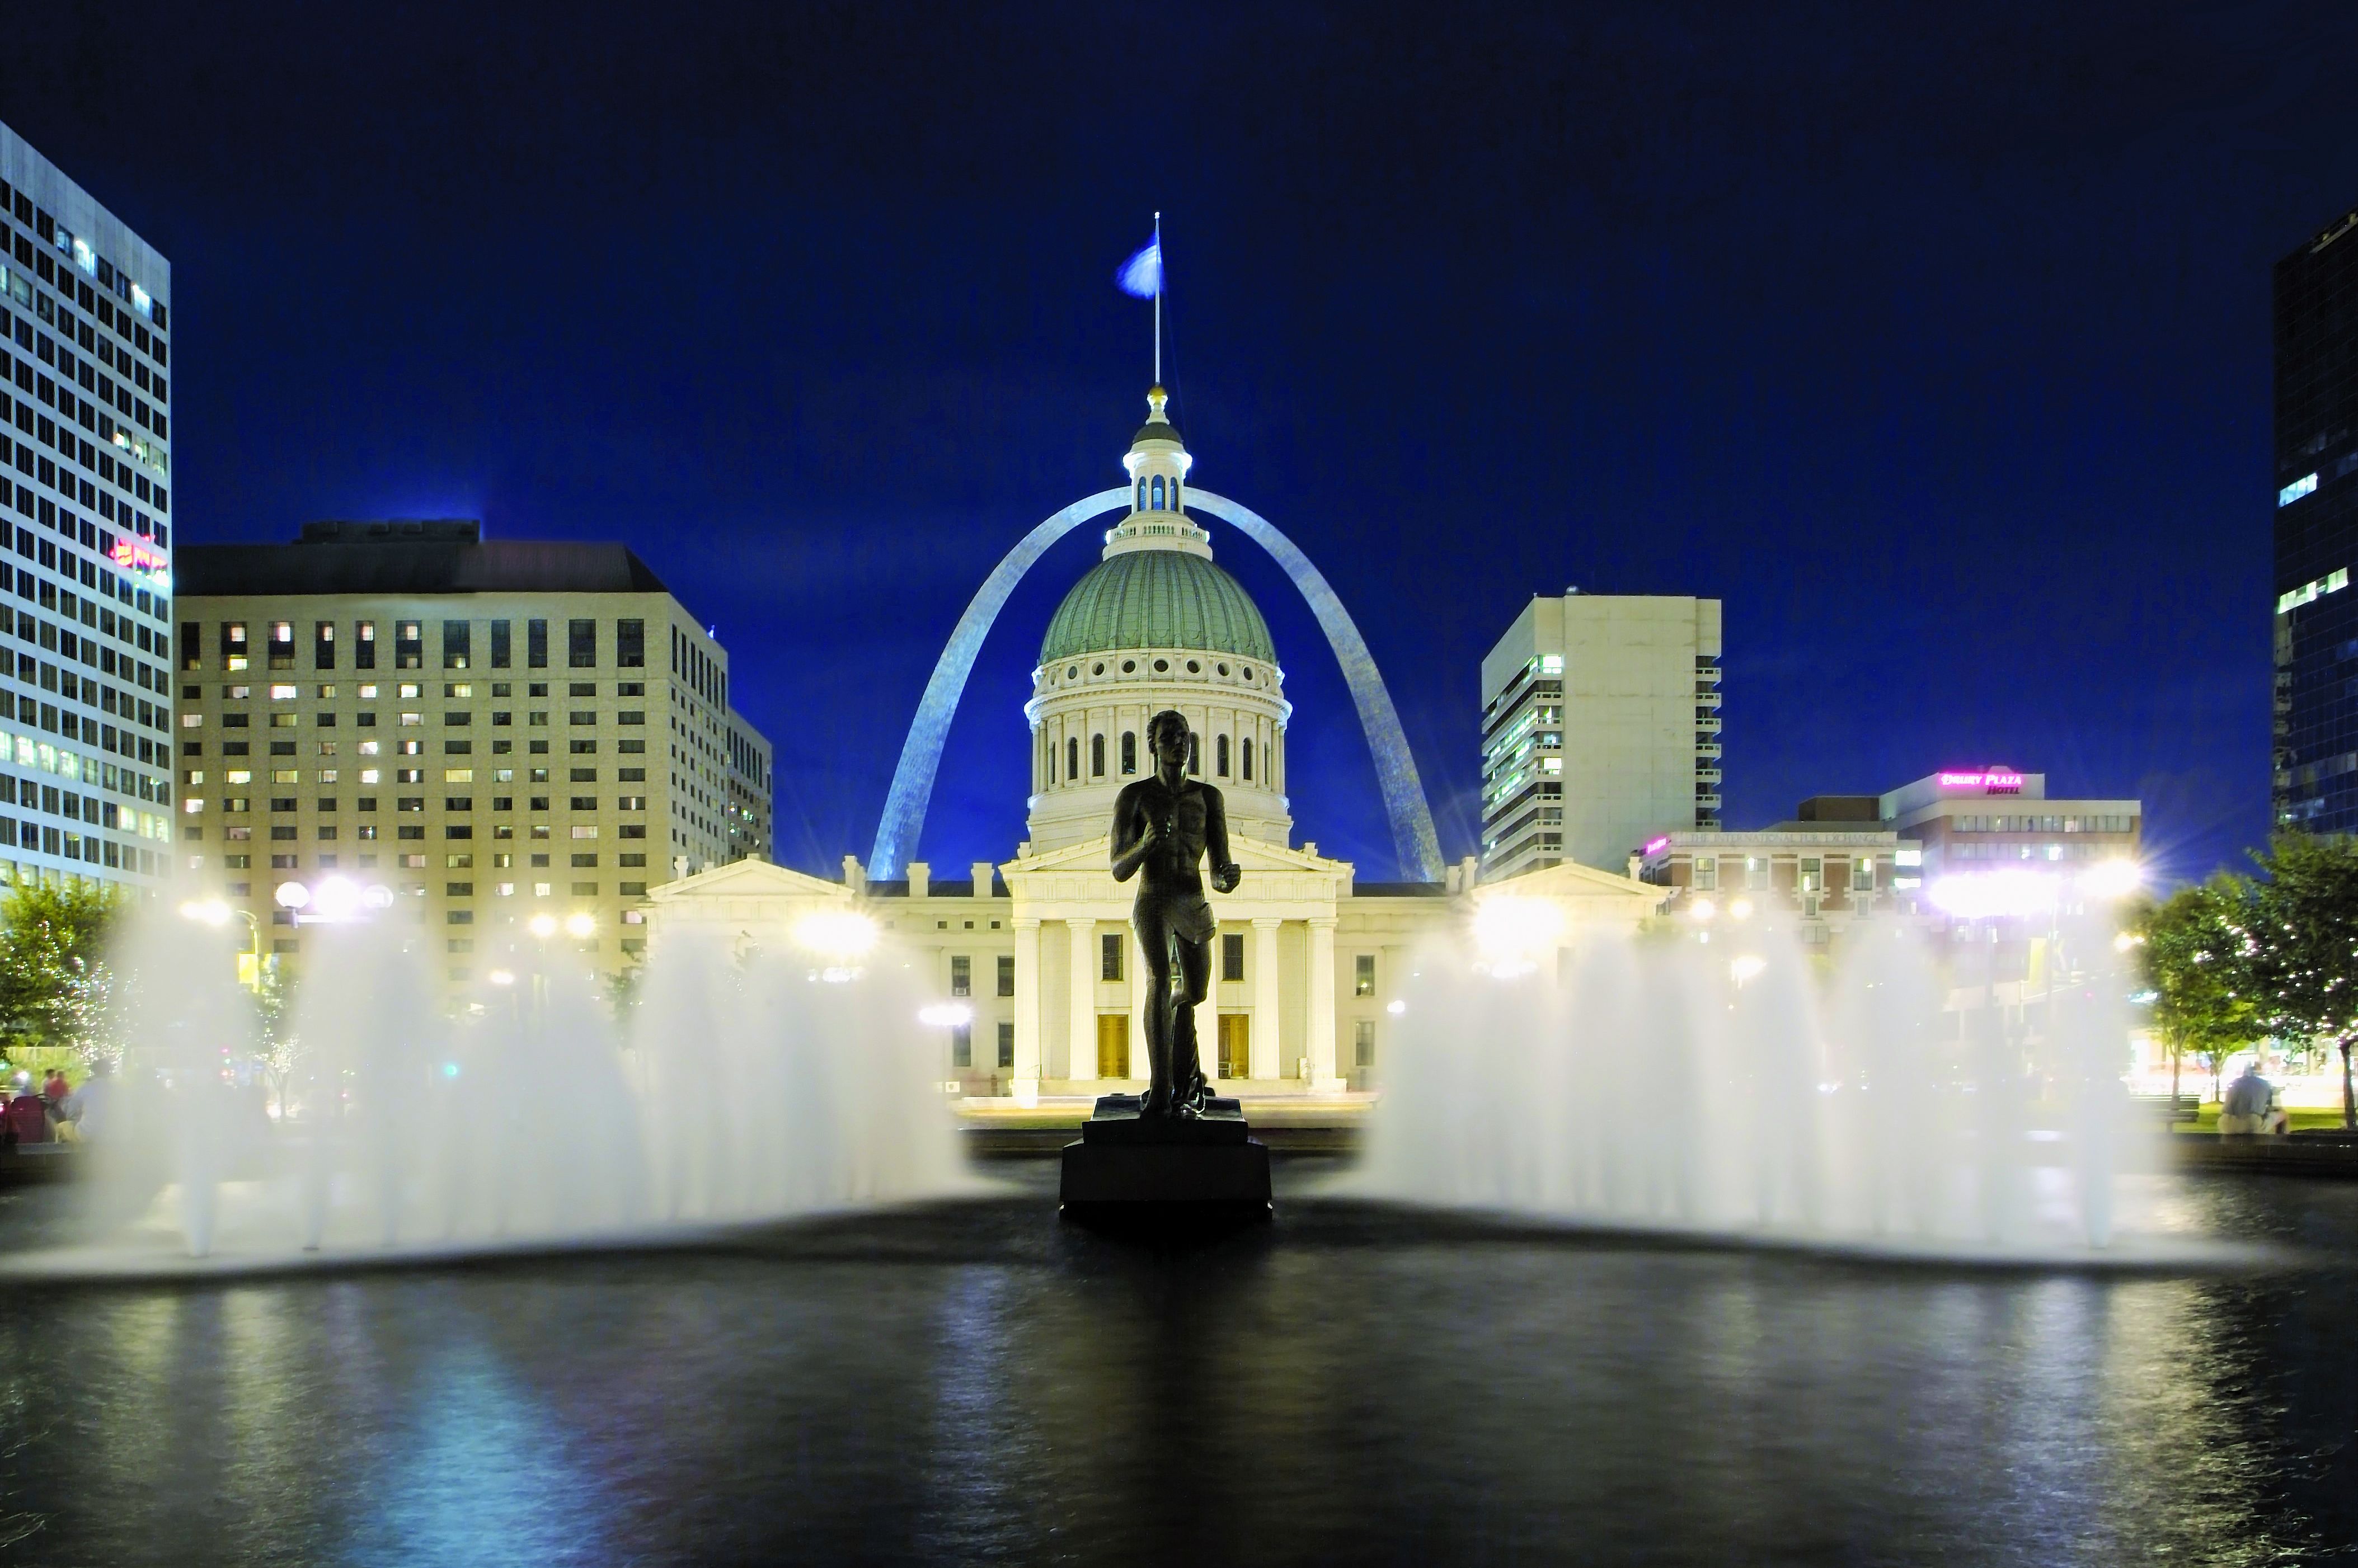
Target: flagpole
{"points": [[1158, 299]]}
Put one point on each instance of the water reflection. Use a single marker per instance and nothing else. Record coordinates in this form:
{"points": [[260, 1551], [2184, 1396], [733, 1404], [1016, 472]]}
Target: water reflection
{"points": [[974, 1382]]}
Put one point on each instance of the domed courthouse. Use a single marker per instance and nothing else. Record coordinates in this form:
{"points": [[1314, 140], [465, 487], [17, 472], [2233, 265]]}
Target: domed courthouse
{"points": [[1037, 951]]}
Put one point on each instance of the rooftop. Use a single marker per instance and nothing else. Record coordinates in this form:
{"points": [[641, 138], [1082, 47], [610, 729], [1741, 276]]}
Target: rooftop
{"points": [[410, 556]]}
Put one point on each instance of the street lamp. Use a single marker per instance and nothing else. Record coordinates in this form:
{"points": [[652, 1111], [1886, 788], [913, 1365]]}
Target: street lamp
{"points": [[216, 912]]}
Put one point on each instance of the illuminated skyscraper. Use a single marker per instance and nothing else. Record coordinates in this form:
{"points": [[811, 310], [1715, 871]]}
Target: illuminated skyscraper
{"points": [[2316, 752], [85, 533], [1600, 730]]}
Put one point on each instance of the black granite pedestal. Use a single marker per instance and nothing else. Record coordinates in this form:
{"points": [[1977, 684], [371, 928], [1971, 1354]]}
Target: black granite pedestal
{"points": [[1144, 1172]]}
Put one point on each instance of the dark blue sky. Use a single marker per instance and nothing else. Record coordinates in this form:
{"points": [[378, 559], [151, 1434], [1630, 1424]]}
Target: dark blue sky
{"points": [[1935, 340]]}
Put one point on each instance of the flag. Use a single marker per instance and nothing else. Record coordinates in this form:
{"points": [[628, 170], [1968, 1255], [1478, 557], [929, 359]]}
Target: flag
{"points": [[1141, 275]]}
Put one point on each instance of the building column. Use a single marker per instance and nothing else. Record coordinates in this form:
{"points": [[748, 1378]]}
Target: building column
{"points": [[1266, 1062], [1320, 1010], [1084, 1026], [1026, 1087]]}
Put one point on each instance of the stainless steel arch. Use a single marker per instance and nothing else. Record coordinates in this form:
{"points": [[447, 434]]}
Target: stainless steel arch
{"points": [[921, 754], [1413, 838]]}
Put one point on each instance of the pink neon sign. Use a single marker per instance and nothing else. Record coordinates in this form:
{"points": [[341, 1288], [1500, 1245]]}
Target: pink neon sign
{"points": [[1989, 781]]}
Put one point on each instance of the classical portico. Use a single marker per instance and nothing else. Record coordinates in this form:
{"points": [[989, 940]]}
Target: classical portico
{"points": [[1035, 973]]}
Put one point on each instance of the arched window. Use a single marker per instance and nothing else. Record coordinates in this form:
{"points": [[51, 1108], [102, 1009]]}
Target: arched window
{"points": [[1130, 751], [1195, 752], [1175, 496], [1140, 504], [1247, 759], [1072, 759], [1154, 495], [1097, 756], [1221, 756], [1047, 759]]}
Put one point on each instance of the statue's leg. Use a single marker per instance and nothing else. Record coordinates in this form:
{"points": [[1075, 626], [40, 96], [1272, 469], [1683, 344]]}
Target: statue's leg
{"points": [[1194, 960], [1154, 944]]}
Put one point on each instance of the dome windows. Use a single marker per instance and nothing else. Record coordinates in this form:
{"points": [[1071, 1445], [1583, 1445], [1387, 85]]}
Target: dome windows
{"points": [[1247, 672], [1130, 751], [1221, 756], [1194, 668], [1223, 669], [1163, 666], [1097, 668], [1129, 667], [1097, 756], [1247, 759], [1072, 671]]}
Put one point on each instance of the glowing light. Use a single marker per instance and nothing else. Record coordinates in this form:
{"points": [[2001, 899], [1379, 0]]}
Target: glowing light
{"points": [[1702, 909], [1396, 1008], [450, 1069], [542, 925], [501, 977], [292, 896], [838, 933], [946, 1014], [211, 911], [580, 925], [337, 899], [376, 895], [1741, 909], [1747, 966], [2127, 940], [1984, 895], [1655, 846], [2115, 878], [1511, 933]]}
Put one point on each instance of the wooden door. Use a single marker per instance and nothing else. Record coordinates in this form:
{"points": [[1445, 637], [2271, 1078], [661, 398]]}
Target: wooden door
{"points": [[1113, 1044], [1236, 1044]]}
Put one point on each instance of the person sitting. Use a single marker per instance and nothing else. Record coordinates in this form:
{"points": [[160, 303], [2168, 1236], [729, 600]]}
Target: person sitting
{"points": [[28, 1117], [2247, 1107], [54, 1090]]}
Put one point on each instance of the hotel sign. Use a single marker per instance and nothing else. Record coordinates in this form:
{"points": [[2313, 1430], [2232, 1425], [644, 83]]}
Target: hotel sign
{"points": [[1988, 781]]}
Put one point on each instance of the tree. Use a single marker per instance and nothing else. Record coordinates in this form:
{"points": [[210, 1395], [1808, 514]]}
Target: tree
{"points": [[2198, 954], [2304, 925], [56, 985]]}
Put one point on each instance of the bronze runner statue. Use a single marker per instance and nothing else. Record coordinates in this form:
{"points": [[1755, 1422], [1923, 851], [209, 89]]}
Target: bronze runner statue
{"points": [[1163, 825]]}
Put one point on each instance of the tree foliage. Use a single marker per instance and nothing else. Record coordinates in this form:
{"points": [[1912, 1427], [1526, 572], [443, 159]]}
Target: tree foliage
{"points": [[2304, 929], [2198, 953], [57, 987]]}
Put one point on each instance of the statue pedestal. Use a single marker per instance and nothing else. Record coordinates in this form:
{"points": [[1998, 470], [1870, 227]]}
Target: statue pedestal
{"points": [[1146, 1172]]}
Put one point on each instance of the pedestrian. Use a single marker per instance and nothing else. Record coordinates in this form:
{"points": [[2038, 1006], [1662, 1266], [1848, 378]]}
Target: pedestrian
{"points": [[91, 1102], [55, 1089], [2245, 1108]]}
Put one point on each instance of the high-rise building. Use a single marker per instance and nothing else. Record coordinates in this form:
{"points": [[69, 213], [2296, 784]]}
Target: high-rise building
{"points": [[85, 535], [1600, 730], [382, 704], [2315, 783]]}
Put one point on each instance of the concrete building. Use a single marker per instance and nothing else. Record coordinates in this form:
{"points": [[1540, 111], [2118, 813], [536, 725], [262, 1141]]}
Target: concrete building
{"points": [[493, 730], [1600, 730], [1036, 951], [2314, 782], [1991, 818], [1830, 868], [86, 547]]}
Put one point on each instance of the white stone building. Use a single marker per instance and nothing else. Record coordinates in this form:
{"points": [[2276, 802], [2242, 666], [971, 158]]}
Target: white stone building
{"points": [[1037, 951]]}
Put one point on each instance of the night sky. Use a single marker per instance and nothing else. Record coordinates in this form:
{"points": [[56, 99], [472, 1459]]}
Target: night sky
{"points": [[1934, 340]]}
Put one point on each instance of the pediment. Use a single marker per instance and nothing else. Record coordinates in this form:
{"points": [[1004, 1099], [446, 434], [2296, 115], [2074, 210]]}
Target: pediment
{"points": [[1575, 883], [749, 879]]}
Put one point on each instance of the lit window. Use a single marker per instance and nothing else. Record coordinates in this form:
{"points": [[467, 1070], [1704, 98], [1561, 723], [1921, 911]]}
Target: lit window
{"points": [[1551, 664], [2295, 490], [585, 830], [457, 775], [2331, 582]]}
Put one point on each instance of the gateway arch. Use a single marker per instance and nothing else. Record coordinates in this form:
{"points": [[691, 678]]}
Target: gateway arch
{"points": [[1413, 840]]}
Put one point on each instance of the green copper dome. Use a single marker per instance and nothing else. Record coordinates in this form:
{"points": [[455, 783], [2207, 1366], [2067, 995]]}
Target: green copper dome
{"points": [[1157, 599]]}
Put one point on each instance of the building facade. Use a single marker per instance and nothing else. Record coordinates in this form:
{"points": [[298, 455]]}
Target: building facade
{"points": [[86, 555], [1994, 818], [1600, 730], [1032, 960], [2315, 773], [493, 731]]}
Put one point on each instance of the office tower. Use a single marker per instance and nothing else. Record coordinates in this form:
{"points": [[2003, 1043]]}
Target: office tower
{"points": [[2315, 776], [85, 535], [1600, 730], [488, 730]]}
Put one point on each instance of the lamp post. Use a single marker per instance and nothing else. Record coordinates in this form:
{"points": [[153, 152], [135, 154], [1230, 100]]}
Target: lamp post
{"points": [[218, 912]]}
